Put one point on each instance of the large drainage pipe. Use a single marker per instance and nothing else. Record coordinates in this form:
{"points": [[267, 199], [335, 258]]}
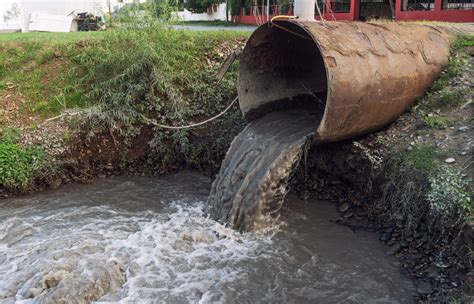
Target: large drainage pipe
{"points": [[361, 76]]}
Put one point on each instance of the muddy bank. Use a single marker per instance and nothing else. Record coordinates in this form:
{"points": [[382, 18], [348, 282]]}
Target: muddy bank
{"points": [[85, 158], [344, 175]]}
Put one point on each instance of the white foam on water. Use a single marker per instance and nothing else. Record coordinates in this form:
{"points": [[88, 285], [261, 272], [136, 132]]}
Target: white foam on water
{"points": [[185, 257], [173, 257]]}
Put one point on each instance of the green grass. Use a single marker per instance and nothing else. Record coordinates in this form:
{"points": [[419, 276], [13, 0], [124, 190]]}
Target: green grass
{"points": [[122, 76], [49, 37], [423, 158], [462, 41], [164, 75], [37, 64], [45, 67], [441, 95], [18, 165], [435, 121]]}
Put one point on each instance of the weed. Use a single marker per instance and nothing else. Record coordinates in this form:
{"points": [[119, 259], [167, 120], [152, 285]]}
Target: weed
{"points": [[122, 75], [435, 121], [10, 136], [407, 183], [443, 98], [462, 41], [421, 191], [448, 199], [422, 158], [440, 95], [19, 165], [46, 55], [210, 23]]}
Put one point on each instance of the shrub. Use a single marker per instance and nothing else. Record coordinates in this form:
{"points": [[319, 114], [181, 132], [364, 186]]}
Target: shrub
{"points": [[435, 121], [200, 6], [448, 200], [18, 165], [10, 136]]}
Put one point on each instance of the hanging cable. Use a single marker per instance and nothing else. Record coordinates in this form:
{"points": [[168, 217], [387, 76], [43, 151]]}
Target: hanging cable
{"points": [[285, 17], [153, 122], [319, 12], [328, 7]]}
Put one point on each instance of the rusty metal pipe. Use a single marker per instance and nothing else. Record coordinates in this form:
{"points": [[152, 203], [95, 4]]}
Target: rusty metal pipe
{"points": [[363, 75]]}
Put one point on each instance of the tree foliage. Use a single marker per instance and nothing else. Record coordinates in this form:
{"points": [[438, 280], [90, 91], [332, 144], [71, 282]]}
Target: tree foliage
{"points": [[12, 14], [200, 6]]}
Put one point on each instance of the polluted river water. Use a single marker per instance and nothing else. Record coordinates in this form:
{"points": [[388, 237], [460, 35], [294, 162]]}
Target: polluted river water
{"points": [[149, 240]]}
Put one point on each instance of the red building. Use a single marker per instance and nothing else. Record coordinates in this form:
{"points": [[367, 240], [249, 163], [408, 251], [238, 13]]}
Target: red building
{"points": [[433, 10]]}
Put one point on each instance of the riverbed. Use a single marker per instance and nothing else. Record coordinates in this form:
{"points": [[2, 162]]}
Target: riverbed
{"points": [[148, 240]]}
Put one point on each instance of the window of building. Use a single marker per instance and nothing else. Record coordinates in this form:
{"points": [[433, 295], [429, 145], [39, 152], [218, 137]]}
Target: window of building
{"points": [[322, 6], [341, 6], [458, 4], [336, 6], [375, 9], [418, 5]]}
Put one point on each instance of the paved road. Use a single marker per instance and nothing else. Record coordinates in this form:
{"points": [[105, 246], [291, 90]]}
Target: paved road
{"points": [[215, 28]]}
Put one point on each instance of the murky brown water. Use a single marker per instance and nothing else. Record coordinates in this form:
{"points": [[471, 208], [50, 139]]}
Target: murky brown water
{"points": [[148, 240], [248, 191]]}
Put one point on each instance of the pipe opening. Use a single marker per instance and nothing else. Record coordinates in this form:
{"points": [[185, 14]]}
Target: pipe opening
{"points": [[281, 67]]}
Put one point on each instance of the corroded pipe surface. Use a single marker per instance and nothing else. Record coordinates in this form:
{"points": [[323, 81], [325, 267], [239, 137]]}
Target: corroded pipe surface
{"points": [[362, 75]]}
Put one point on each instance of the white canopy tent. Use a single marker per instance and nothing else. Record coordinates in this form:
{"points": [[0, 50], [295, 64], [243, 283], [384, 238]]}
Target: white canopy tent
{"points": [[56, 13]]}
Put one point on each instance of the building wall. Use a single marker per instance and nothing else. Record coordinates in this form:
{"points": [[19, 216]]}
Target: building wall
{"points": [[438, 14], [219, 14]]}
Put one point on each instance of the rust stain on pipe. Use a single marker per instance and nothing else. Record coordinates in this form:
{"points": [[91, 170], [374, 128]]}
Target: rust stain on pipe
{"points": [[363, 75]]}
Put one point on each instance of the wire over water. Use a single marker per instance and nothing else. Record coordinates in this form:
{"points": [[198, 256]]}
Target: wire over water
{"points": [[153, 122]]}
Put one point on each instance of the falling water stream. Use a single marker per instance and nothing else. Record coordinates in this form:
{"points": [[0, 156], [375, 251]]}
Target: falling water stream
{"points": [[248, 191], [148, 240]]}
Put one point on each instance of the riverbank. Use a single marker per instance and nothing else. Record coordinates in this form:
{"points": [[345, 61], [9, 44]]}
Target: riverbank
{"points": [[75, 106], [412, 184]]}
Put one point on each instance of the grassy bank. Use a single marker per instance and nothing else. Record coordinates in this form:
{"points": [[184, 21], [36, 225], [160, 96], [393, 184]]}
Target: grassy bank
{"points": [[104, 86], [427, 181]]}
